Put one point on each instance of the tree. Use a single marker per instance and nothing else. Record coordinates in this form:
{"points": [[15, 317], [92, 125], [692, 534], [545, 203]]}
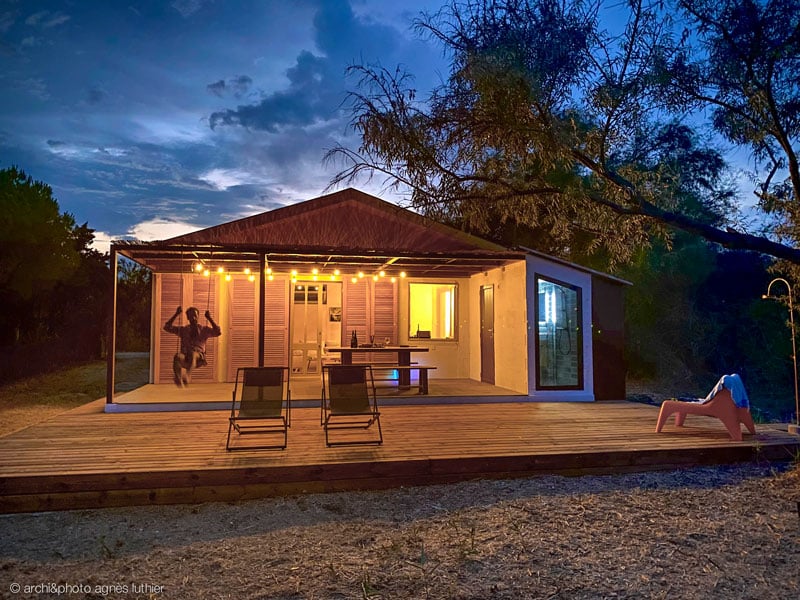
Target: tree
{"points": [[743, 67], [133, 306], [547, 120], [37, 249]]}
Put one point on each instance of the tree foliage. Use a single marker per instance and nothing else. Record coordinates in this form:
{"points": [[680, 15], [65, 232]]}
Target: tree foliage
{"points": [[38, 249], [53, 285], [552, 122]]}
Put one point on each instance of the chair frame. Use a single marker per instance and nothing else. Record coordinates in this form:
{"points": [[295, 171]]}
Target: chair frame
{"points": [[720, 406], [275, 423], [332, 419]]}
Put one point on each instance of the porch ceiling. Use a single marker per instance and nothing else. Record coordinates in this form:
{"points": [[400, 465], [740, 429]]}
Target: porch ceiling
{"points": [[165, 257]]}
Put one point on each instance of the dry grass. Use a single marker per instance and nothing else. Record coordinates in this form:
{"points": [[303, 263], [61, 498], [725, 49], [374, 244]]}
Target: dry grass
{"points": [[723, 532], [36, 399]]}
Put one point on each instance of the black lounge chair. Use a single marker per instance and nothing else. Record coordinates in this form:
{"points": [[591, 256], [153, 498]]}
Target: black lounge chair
{"points": [[349, 402], [264, 405]]}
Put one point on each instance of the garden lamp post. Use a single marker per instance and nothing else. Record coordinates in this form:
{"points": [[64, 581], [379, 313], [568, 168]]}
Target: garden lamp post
{"points": [[793, 428]]}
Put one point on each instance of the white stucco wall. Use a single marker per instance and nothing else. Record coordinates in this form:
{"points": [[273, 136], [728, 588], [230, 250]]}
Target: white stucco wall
{"points": [[510, 334], [565, 273], [451, 358]]}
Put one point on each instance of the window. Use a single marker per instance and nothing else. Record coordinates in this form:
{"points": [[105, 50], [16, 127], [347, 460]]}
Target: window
{"points": [[559, 356], [432, 310], [310, 293]]}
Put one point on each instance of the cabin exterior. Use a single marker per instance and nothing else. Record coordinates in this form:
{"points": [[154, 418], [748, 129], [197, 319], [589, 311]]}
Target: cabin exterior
{"points": [[289, 284]]}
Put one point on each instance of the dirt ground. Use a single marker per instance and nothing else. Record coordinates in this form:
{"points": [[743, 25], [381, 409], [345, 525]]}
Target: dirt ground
{"points": [[725, 532]]}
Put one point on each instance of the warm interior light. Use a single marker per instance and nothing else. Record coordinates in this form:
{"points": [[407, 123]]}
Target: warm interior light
{"points": [[394, 279], [198, 267], [333, 277], [227, 277], [336, 272], [354, 280], [360, 274], [269, 270], [402, 274], [206, 273], [315, 271], [220, 270], [247, 270], [382, 273], [270, 277], [251, 277], [374, 278]]}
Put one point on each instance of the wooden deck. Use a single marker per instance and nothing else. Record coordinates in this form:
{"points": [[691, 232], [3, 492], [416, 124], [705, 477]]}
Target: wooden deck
{"points": [[88, 458]]}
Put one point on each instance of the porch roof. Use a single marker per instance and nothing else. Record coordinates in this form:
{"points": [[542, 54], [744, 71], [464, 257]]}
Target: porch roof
{"points": [[348, 230]]}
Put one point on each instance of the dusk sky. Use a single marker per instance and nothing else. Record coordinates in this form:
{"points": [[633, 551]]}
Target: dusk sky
{"points": [[152, 118]]}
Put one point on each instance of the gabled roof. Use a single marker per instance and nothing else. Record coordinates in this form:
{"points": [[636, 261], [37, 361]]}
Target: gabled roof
{"points": [[348, 229], [346, 220]]}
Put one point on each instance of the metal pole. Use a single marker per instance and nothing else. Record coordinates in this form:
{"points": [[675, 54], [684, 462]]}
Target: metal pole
{"points": [[796, 428], [793, 428]]}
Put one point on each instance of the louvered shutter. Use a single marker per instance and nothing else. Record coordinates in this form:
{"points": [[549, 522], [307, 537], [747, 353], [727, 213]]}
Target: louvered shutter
{"points": [[204, 297], [243, 344], [355, 311], [384, 311], [169, 298], [276, 323]]}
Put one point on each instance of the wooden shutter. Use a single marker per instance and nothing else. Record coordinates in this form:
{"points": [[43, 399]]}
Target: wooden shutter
{"points": [[169, 298], [204, 297], [384, 311], [242, 344], [276, 323], [355, 311]]}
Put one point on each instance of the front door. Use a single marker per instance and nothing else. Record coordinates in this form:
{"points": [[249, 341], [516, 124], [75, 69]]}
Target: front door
{"points": [[487, 334], [308, 301]]}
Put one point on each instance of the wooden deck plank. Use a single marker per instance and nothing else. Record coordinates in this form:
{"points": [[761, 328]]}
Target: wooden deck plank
{"points": [[86, 458]]}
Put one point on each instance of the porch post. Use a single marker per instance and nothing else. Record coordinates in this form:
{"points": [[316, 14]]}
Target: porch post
{"points": [[262, 299], [111, 338]]}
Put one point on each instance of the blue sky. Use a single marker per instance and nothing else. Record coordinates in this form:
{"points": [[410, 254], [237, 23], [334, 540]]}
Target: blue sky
{"points": [[152, 118]]}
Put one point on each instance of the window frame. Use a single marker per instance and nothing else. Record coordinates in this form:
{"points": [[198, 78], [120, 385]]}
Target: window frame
{"points": [[579, 350], [453, 317]]}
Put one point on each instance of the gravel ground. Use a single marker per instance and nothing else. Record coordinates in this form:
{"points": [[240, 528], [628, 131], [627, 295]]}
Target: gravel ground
{"points": [[724, 532]]}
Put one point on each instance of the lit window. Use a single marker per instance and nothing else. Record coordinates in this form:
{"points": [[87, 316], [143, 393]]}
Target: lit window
{"points": [[432, 310]]}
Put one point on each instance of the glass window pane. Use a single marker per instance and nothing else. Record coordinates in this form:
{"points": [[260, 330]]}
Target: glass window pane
{"points": [[559, 357], [432, 310]]}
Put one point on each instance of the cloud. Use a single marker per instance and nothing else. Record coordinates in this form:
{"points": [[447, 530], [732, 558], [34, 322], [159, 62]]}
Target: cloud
{"points": [[238, 86], [36, 87], [7, 19], [188, 7], [45, 19], [316, 87], [160, 229], [223, 179], [95, 95]]}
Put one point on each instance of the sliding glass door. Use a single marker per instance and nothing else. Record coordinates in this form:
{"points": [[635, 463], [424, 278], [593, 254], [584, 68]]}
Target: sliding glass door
{"points": [[559, 342]]}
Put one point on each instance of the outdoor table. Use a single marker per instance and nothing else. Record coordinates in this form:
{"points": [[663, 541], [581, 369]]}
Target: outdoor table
{"points": [[403, 357]]}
